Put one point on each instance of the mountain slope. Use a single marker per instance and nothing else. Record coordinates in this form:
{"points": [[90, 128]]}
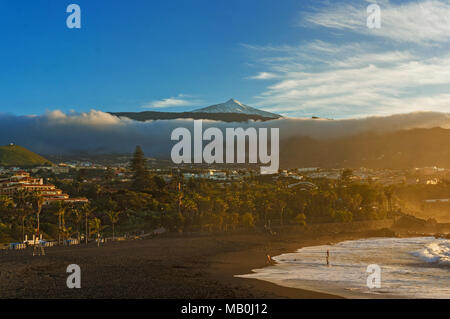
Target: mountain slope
{"points": [[396, 150], [223, 117], [234, 106], [14, 155], [230, 111]]}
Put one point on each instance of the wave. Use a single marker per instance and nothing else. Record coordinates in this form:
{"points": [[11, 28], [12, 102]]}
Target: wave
{"points": [[404, 274], [436, 252]]}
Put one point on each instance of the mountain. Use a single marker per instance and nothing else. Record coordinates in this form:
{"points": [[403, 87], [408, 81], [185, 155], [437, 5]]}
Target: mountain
{"points": [[14, 155], [223, 117], [234, 106], [230, 111]]}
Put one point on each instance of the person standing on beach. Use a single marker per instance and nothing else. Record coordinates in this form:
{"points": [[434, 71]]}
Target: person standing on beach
{"points": [[328, 257]]}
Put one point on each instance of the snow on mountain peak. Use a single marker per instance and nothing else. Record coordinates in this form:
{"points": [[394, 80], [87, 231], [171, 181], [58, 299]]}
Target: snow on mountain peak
{"points": [[234, 106]]}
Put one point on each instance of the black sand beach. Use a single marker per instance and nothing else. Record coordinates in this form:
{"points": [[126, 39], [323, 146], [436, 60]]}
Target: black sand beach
{"points": [[170, 266]]}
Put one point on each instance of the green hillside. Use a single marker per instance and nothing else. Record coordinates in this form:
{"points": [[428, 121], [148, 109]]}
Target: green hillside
{"points": [[14, 155]]}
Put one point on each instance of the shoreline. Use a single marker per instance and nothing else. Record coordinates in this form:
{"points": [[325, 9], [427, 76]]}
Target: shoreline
{"points": [[175, 266], [243, 262], [304, 289]]}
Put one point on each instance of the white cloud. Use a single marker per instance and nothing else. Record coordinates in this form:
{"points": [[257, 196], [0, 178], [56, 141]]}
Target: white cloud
{"points": [[179, 100], [372, 76], [353, 87], [263, 76], [91, 118], [57, 133], [426, 21]]}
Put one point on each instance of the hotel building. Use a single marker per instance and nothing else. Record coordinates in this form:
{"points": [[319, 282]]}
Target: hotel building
{"points": [[22, 180]]}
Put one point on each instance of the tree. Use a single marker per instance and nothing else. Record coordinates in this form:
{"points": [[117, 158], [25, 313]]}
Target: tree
{"points": [[141, 176], [113, 217], [5, 202], [189, 209], [281, 203], [96, 226], [86, 209], [37, 202], [346, 175], [389, 193], [342, 216], [159, 182], [109, 175], [59, 210], [233, 220], [77, 214], [300, 219], [247, 220], [21, 200], [6, 205]]}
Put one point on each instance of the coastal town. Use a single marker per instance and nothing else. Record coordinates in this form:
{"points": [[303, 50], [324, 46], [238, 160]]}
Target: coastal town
{"points": [[188, 218], [210, 159], [120, 172], [76, 184]]}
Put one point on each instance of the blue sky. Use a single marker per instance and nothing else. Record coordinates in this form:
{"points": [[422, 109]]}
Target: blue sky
{"points": [[297, 58]]}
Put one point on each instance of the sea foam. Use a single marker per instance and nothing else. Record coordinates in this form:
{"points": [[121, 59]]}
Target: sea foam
{"points": [[410, 268], [435, 252]]}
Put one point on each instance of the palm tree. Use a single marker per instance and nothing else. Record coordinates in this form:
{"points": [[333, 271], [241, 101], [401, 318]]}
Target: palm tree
{"points": [[77, 218], [37, 202], [6, 202], [113, 217], [389, 193], [281, 203], [21, 200], [86, 209], [96, 226], [60, 211], [66, 231]]}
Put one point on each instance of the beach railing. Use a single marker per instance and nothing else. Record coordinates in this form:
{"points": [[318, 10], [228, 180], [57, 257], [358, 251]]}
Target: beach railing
{"points": [[47, 243], [70, 242], [17, 246]]}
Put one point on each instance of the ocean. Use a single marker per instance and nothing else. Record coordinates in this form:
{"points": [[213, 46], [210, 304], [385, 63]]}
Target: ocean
{"points": [[410, 268]]}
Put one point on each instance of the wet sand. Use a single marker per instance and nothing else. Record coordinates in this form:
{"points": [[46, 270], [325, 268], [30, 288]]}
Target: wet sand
{"points": [[189, 266]]}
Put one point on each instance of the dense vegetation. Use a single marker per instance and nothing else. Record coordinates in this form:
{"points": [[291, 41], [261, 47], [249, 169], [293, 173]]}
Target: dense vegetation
{"points": [[148, 202]]}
